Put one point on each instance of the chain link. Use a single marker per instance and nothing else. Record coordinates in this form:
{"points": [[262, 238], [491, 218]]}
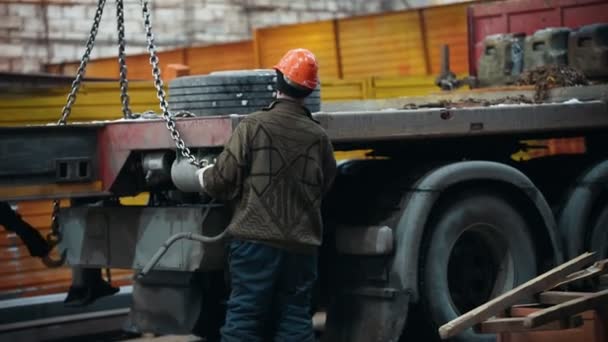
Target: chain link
{"points": [[124, 82], [67, 109], [54, 236], [54, 222], [160, 91]]}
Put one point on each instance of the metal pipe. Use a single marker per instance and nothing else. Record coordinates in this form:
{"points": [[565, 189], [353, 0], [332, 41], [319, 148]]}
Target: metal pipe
{"points": [[179, 236], [183, 175], [157, 167]]}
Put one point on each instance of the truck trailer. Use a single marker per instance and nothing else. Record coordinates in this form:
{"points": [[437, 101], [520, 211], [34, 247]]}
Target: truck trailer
{"points": [[458, 197]]}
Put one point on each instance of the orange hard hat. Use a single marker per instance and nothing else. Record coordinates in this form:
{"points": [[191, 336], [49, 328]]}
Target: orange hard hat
{"points": [[300, 67]]}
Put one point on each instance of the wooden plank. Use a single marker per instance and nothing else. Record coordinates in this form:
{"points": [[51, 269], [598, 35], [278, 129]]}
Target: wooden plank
{"points": [[558, 297], [595, 270], [516, 324], [496, 305], [566, 309]]}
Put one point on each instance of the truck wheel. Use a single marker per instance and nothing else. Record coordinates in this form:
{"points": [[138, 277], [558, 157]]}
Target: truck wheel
{"points": [[599, 234], [229, 92], [479, 247]]}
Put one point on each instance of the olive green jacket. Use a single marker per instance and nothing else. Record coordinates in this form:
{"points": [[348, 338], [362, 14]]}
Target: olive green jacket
{"points": [[275, 169]]}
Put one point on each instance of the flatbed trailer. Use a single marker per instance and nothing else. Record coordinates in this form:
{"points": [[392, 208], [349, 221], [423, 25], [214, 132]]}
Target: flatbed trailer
{"points": [[455, 202], [37, 162], [452, 205]]}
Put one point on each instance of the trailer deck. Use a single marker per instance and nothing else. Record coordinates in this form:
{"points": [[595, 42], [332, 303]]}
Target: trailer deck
{"points": [[37, 163]]}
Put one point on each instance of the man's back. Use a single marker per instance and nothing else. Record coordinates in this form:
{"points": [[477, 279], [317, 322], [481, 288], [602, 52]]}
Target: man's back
{"points": [[287, 165]]}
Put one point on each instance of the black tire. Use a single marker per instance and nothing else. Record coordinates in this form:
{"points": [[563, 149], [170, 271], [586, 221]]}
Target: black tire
{"points": [[479, 247], [599, 234], [229, 92]]}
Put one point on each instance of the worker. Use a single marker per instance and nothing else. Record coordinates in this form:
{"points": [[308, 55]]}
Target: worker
{"points": [[275, 170], [35, 243]]}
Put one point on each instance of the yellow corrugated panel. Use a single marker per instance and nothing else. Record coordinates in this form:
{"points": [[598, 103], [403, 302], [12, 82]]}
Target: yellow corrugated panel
{"points": [[382, 45], [388, 87], [341, 90], [447, 25], [272, 43], [353, 154], [96, 101], [389, 44], [141, 199], [234, 56], [391, 87]]}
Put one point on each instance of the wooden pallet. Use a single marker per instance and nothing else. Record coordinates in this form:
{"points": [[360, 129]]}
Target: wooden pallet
{"points": [[556, 309]]}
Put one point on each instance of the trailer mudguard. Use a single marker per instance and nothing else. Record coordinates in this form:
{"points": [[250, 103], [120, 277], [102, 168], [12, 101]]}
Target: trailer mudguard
{"points": [[576, 213], [425, 193]]}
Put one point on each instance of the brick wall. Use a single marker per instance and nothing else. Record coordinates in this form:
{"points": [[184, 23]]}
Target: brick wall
{"points": [[33, 33]]}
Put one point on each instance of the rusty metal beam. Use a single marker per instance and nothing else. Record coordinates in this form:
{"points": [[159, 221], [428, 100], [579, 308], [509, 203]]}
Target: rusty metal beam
{"points": [[356, 126]]}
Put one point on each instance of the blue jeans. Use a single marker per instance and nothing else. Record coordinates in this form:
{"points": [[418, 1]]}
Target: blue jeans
{"points": [[271, 294]]}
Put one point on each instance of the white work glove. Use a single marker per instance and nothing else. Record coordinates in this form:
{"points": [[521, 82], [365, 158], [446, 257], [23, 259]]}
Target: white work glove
{"points": [[200, 173]]}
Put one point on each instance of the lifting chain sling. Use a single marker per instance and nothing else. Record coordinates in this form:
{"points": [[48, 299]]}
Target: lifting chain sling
{"points": [[54, 236]]}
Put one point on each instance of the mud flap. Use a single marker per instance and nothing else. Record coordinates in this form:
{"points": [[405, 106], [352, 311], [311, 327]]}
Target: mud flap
{"points": [[367, 315], [166, 303]]}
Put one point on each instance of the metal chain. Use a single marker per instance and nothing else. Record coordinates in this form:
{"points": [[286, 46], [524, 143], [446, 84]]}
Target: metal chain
{"points": [[67, 109], [160, 92], [124, 82], [54, 236]]}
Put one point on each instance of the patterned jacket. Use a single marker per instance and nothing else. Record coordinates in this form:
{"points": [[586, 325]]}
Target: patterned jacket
{"points": [[275, 169]]}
